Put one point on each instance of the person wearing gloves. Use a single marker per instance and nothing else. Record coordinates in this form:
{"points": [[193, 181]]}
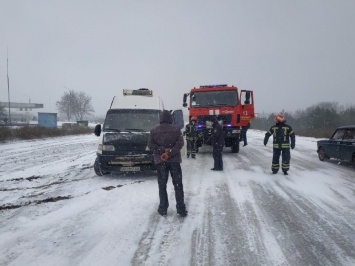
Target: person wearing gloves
{"points": [[282, 134], [166, 142]]}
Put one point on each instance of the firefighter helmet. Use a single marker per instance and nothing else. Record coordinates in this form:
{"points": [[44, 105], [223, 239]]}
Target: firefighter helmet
{"points": [[280, 118], [193, 118]]}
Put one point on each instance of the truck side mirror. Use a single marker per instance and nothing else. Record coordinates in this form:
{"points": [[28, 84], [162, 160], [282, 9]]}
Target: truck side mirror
{"points": [[247, 97], [184, 104], [97, 130]]}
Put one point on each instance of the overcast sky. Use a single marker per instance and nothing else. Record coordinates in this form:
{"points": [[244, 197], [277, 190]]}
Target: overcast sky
{"points": [[293, 54]]}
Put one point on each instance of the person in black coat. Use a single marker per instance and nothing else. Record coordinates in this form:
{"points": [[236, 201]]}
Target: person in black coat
{"points": [[282, 134], [217, 142], [166, 142], [243, 134]]}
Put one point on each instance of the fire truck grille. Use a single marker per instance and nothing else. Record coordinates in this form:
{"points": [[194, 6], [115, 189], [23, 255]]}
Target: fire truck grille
{"points": [[227, 119]]}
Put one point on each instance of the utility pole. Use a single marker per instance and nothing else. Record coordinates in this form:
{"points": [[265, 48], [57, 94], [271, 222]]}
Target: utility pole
{"points": [[29, 101], [8, 84]]}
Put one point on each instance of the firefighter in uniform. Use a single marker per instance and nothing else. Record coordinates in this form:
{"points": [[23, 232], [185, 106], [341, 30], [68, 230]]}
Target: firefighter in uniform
{"points": [[191, 137], [282, 134]]}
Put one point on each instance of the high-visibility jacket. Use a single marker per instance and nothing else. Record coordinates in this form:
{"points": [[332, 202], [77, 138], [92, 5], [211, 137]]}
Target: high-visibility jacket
{"points": [[190, 132], [282, 135]]}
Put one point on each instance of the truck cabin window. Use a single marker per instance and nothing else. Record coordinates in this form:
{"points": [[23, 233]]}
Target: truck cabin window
{"points": [[214, 98], [131, 120]]}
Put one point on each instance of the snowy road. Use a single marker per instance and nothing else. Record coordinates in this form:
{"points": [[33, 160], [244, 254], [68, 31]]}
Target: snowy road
{"points": [[54, 210]]}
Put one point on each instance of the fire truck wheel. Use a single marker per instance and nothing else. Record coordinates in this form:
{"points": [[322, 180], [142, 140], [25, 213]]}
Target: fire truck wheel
{"points": [[235, 146]]}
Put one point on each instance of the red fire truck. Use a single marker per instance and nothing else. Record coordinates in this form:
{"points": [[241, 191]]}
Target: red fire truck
{"points": [[233, 110]]}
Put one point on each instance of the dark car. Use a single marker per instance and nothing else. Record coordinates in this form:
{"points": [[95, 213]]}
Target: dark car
{"points": [[340, 146]]}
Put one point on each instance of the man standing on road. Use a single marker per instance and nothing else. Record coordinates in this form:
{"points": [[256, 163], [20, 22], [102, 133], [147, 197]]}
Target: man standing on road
{"points": [[217, 141], [282, 134], [166, 141], [243, 135]]}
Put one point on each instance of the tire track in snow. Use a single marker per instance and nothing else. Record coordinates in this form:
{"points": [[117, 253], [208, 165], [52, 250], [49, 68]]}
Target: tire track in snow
{"points": [[305, 236]]}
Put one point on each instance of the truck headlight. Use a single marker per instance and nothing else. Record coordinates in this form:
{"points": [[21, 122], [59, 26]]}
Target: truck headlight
{"points": [[108, 148]]}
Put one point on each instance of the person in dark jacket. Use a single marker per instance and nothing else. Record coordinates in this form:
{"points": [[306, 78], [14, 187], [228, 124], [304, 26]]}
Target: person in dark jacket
{"points": [[282, 134], [243, 134], [191, 137], [166, 141], [217, 141]]}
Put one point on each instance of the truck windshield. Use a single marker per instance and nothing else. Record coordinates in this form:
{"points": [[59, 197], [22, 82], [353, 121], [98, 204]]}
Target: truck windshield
{"points": [[214, 98], [131, 120]]}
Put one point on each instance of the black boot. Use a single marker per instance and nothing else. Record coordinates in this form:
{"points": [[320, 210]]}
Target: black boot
{"points": [[182, 213], [162, 212]]}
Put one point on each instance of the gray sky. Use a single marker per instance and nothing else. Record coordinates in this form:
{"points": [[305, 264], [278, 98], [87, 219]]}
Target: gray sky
{"points": [[293, 54]]}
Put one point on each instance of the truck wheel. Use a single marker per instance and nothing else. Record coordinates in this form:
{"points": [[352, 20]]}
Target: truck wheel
{"points": [[97, 168], [322, 155], [235, 146], [199, 142]]}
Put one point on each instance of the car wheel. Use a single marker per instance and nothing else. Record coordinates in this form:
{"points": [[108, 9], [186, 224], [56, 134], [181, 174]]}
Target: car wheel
{"points": [[97, 168], [322, 155]]}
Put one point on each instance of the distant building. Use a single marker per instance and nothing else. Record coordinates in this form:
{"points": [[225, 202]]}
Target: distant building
{"points": [[48, 120], [21, 112]]}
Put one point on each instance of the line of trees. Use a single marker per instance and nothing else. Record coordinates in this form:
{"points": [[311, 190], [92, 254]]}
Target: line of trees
{"points": [[318, 121], [75, 104]]}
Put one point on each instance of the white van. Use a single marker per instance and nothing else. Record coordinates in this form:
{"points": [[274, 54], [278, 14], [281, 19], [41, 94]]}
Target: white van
{"points": [[124, 135]]}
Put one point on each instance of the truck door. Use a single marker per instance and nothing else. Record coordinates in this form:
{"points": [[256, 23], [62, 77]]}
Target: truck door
{"points": [[247, 106], [178, 118], [347, 146], [335, 143]]}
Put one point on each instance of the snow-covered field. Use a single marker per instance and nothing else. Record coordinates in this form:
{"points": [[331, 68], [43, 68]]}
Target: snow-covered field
{"points": [[54, 210]]}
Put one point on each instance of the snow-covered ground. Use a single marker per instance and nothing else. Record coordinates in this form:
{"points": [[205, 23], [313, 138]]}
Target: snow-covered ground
{"points": [[54, 210]]}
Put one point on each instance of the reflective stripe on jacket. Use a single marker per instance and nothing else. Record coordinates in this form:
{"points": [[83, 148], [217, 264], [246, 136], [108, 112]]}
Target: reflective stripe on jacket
{"points": [[282, 135], [190, 131]]}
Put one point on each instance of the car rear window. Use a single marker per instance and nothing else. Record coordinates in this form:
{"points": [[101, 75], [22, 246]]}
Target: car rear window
{"points": [[350, 134]]}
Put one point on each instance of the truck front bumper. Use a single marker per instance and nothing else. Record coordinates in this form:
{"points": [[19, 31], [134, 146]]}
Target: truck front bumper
{"points": [[126, 163]]}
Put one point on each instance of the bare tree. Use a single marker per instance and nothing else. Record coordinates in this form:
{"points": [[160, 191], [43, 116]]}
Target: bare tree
{"points": [[82, 106], [77, 104]]}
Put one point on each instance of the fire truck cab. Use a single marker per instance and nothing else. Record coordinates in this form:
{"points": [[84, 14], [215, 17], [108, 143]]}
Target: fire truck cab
{"points": [[232, 109]]}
